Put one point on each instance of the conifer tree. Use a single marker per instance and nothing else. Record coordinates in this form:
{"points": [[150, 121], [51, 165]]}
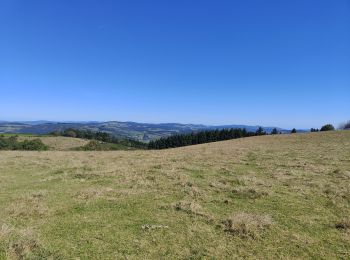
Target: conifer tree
{"points": [[274, 131]]}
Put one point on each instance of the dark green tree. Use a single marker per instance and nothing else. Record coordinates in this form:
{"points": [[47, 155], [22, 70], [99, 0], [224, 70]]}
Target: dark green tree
{"points": [[260, 131], [293, 131], [274, 131], [327, 127], [198, 138]]}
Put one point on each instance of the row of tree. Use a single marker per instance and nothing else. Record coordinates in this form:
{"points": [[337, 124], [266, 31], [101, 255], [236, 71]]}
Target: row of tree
{"points": [[99, 136], [217, 135], [12, 143], [202, 137], [327, 127]]}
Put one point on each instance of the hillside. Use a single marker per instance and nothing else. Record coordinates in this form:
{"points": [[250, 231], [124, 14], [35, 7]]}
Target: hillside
{"points": [[62, 143], [137, 131], [282, 196], [58, 143]]}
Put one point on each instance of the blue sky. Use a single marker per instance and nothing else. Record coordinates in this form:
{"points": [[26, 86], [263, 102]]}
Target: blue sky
{"points": [[280, 63]]}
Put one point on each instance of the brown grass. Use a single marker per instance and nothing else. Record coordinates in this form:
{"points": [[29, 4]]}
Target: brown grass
{"points": [[247, 225]]}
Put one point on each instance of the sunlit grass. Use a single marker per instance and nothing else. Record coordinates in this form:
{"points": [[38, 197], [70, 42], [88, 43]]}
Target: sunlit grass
{"points": [[284, 196]]}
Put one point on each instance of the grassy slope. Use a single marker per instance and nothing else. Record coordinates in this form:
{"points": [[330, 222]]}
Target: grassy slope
{"points": [[265, 197]]}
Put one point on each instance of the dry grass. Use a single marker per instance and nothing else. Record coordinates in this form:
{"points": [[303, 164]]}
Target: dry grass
{"points": [[284, 196], [247, 225], [192, 208], [27, 205]]}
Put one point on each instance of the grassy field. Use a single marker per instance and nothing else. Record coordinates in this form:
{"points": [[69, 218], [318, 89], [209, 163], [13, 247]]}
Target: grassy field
{"points": [[284, 196]]}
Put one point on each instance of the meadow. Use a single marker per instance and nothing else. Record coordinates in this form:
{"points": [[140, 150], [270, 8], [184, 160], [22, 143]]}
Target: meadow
{"points": [[280, 196]]}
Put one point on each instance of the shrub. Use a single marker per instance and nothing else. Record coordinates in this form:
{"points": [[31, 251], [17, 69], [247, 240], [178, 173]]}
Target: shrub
{"points": [[70, 133], [32, 145], [327, 127], [293, 131], [3, 143], [93, 145], [12, 143]]}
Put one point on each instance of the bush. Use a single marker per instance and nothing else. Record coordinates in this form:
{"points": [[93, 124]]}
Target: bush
{"points": [[11, 143], [93, 146], [293, 131], [70, 133], [327, 127], [33, 145]]}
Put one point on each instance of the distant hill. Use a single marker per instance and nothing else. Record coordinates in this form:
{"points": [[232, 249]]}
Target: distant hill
{"points": [[137, 131]]}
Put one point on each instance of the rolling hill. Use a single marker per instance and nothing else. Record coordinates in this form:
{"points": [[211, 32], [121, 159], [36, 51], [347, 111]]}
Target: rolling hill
{"points": [[137, 131], [264, 197]]}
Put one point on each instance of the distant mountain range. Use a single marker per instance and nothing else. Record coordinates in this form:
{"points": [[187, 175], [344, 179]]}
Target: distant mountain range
{"points": [[138, 131]]}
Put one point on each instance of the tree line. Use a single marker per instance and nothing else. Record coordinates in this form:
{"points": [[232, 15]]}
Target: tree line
{"points": [[99, 136], [217, 135], [327, 127], [209, 136]]}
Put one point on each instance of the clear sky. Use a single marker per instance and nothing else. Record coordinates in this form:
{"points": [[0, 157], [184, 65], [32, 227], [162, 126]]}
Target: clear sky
{"points": [[280, 63]]}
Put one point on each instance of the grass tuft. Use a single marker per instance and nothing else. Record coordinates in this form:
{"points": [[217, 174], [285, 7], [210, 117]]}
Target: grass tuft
{"points": [[247, 225], [343, 224]]}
